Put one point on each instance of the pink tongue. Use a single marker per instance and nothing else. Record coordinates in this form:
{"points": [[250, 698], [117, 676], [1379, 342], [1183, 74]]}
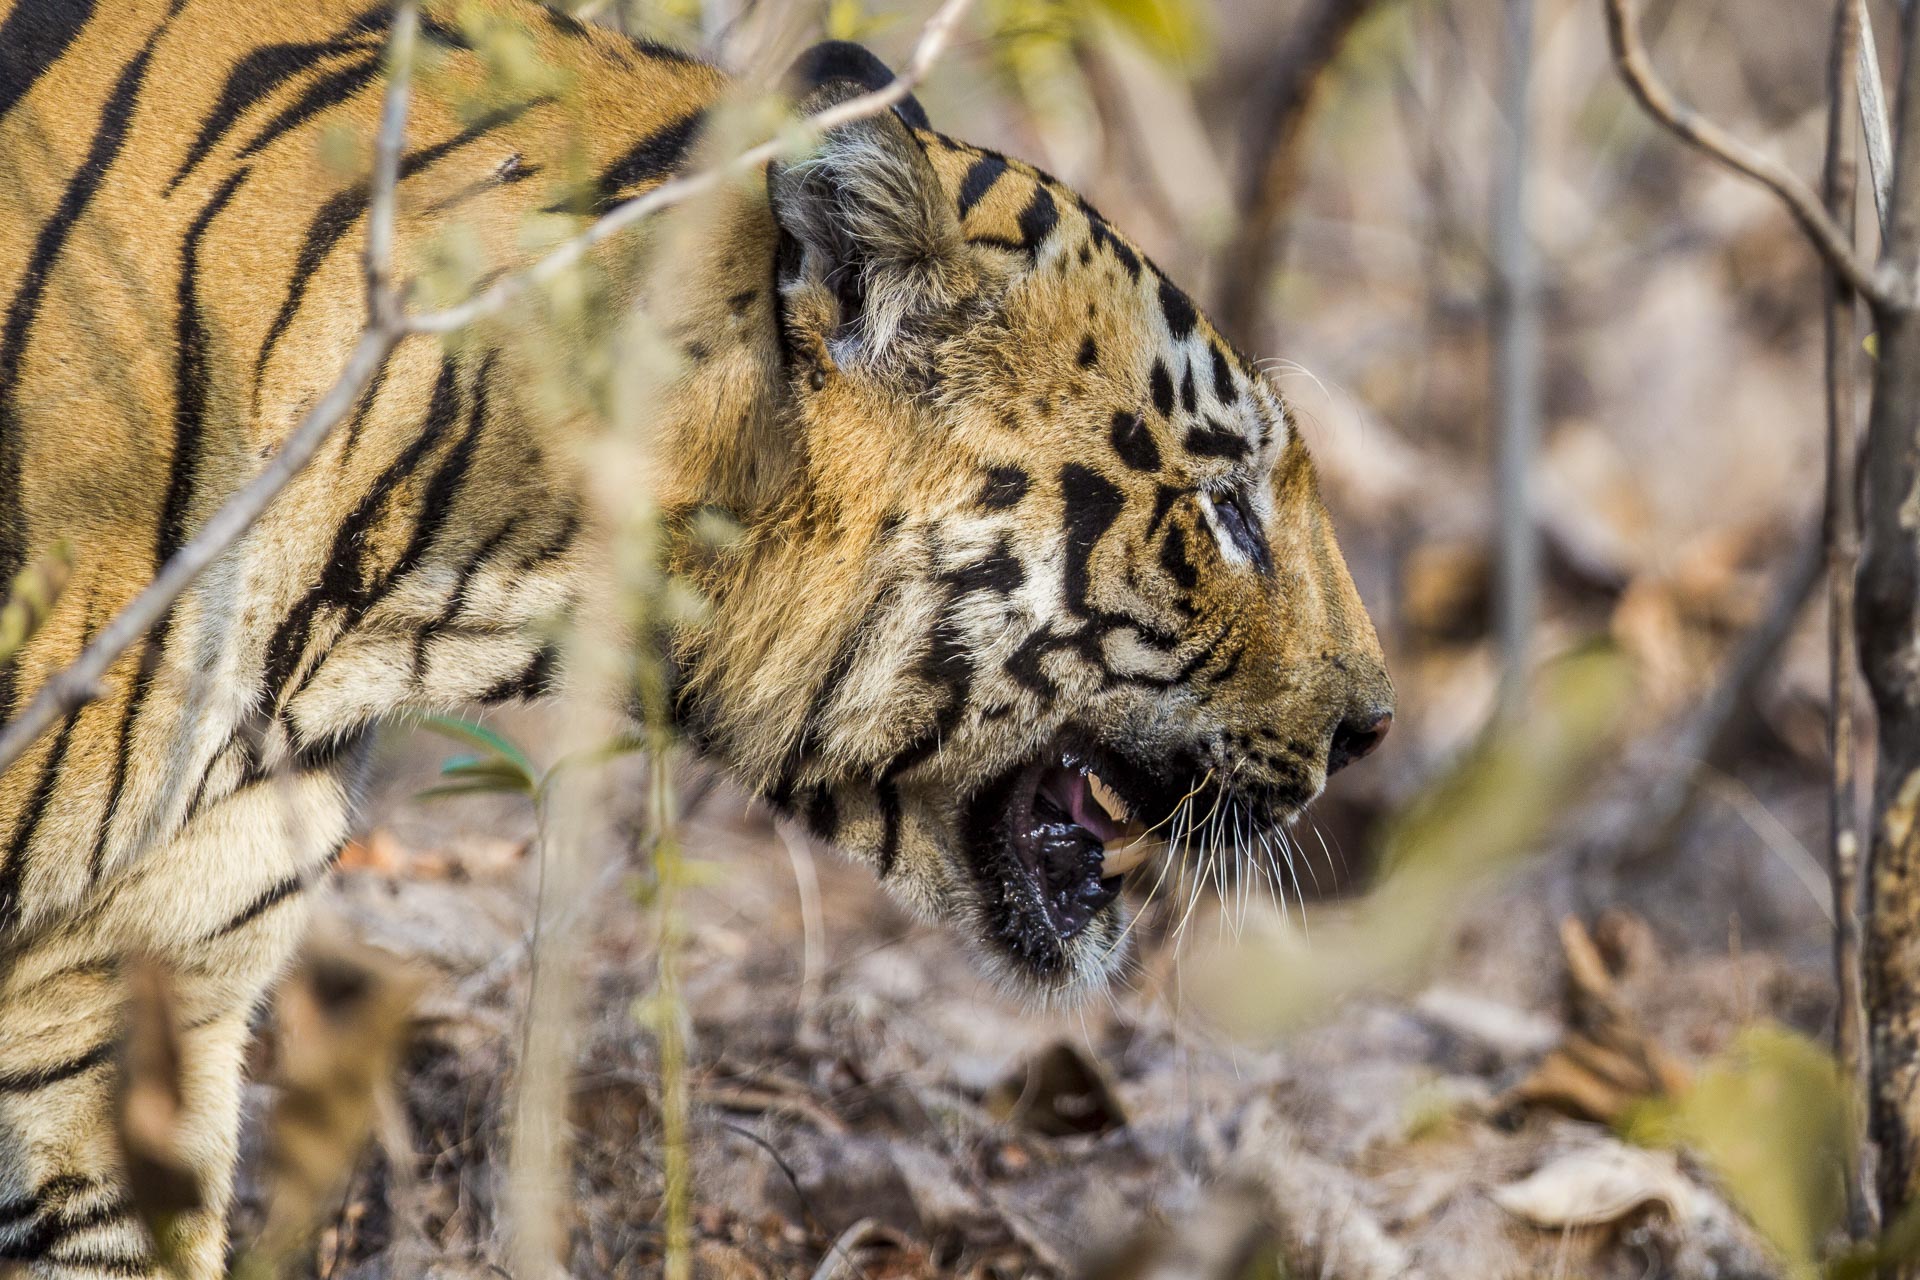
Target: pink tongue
{"points": [[1070, 791]]}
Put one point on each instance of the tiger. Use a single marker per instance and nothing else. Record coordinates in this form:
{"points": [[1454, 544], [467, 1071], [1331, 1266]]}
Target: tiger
{"points": [[1029, 559]]}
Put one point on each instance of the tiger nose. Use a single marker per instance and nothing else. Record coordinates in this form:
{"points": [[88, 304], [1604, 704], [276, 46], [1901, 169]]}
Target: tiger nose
{"points": [[1355, 737]]}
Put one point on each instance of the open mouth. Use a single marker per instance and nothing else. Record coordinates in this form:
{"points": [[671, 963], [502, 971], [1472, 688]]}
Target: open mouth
{"points": [[1074, 837], [1052, 842]]}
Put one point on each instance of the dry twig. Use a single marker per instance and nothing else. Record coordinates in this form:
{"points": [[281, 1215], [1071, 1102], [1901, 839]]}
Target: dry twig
{"points": [[1833, 242], [389, 324]]}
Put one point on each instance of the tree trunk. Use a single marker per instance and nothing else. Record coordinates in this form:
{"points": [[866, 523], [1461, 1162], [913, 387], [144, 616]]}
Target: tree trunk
{"points": [[1888, 615]]}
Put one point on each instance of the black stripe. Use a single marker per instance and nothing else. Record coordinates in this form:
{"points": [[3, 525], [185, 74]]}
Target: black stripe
{"points": [[552, 549], [32, 39], [13, 871], [110, 134], [1036, 223], [273, 897], [1163, 500], [52, 1229], [28, 1081], [59, 1188], [457, 597], [664, 53], [1093, 503], [535, 681], [252, 80], [979, 179], [192, 375], [1177, 307], [436, 505], [1215, 441], [364, 409], [192, 380], [335, 219], [199, 796], [654, 156], [343, 209], [1133, 440], [1038, 219], [1173, 558], [1104, 237], [122, 749], [1162, 386], [326, 91], [889, 827], [1223, 389], [340, 575]]}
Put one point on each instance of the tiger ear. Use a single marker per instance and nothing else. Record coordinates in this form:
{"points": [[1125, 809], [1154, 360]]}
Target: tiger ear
{"points": [[869, 242]]}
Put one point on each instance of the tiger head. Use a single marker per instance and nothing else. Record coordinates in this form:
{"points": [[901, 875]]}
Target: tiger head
{"points": [[1032, 559]]}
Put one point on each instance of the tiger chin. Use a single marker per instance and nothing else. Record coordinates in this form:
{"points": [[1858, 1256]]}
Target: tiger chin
{"points": [[1032, 578]]}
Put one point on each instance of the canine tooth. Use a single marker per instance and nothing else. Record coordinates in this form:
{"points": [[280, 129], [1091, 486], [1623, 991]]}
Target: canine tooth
{"points": [[1108, 798], [1125, 853]]}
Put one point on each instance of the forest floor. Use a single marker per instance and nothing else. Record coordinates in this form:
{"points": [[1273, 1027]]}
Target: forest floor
{"points": [[883, 1111]]}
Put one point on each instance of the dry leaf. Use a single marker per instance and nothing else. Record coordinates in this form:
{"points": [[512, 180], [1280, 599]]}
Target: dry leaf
{"points": [[160, 1179], [341, 1023], [1607, 1062], [1597, 1185]]}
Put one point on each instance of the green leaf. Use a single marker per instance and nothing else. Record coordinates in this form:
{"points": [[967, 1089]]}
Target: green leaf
{"points": [[500, 766], [1173, 30], [478, 735], [502, 773], [1772, 1118]]}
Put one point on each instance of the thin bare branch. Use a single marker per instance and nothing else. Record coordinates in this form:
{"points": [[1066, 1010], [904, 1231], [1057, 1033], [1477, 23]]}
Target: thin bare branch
{"points": [[1840, 191], [1834, 244], [933, 40], [78, 684], [383, 306], [1516, 367], [1888, 616]]}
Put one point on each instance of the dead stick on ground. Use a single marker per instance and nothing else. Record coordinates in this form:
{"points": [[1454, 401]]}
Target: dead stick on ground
{"points": [[80, 683]]}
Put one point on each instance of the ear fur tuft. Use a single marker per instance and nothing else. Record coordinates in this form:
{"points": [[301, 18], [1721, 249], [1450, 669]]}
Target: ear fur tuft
{"points": [[872, 224]]}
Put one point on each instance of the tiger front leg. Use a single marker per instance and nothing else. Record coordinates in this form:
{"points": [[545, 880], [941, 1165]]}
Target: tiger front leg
{"points": [[67, 1211]]}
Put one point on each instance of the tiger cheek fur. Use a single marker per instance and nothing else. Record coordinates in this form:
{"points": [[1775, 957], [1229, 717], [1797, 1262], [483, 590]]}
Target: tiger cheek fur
{"points": [[1028, 556]]}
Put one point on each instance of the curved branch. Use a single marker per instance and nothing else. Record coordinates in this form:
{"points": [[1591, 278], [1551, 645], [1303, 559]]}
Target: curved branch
{"points": [[1834, 244], [387, 326], [496, 297]]}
